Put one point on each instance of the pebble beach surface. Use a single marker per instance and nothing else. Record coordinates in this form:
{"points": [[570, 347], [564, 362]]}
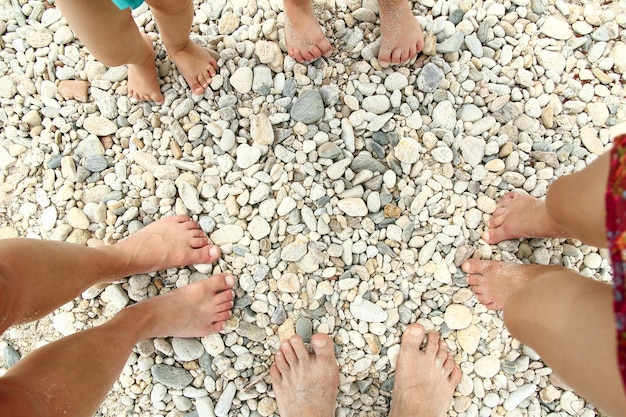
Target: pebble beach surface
{"points": [[344, 196]]}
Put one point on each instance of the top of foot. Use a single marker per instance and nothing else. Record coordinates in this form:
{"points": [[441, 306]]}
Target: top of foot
{"points": [[425, 378], [167, 243], [518, 216], [305, 40], [305, 384], [401, 35], [195, 64]]}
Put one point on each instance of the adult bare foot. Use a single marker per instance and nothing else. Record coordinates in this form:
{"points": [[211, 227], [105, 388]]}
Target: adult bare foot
{"points": [[305, 40], [194, 310], [521, 216], [195, 64], [167, 243], [401, 33], [425, 379], [143, 83], [306, 384], [493, 282]]}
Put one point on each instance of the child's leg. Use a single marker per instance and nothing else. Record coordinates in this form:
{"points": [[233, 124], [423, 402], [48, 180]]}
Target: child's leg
{"points": [[196, 64], [305, 40], [401, 34], [112, 36], [38, 276], [71, 377], [568, 320]]}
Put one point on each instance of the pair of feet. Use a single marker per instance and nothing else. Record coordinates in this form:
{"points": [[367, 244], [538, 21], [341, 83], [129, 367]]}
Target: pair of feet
{"points": [[401, 40], [401, 34], [194, 310], [306, 384], [517, 216]]}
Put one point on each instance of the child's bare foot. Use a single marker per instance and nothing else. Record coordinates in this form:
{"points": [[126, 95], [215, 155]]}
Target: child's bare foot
{"points": [[521, 216], [493, 282], [196, 65], [167, 243], [305, 384], [305, 40], [425, 379], [143, 83], [194, 310], [401, 33]]}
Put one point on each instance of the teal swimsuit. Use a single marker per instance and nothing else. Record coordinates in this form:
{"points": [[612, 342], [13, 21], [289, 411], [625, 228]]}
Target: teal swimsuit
{"points": [[126, 4]]}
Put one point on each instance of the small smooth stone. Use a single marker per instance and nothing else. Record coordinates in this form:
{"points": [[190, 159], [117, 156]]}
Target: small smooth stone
{"points": [[458, 316], [172, 377], [367, 311], [487, 366], [518, 396]]}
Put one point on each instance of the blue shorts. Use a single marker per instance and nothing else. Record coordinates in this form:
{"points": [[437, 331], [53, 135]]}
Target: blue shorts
{"points": [[127, 4]]}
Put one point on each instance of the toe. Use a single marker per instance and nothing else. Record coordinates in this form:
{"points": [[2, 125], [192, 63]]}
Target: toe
{"points": [[198, 242], [298, 347], [449, 365], [432, 344], [288, 352], [275, 374], [323, 346], [440, 357], [470, 266], [281, 362], [413, 336], [396, 56]]}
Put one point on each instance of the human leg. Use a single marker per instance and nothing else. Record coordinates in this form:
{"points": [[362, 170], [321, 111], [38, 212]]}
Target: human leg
{"points": [[72, 376], [112, 36], [305, 40], [401, 33], [568, 320], [174, 19], [42, 275], [425, 378], [306, 384]]}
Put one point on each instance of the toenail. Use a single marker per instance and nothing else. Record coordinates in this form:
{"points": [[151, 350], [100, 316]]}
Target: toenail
{"points": [[230, 280], [416, 331], [320, 342], [214, 251]]}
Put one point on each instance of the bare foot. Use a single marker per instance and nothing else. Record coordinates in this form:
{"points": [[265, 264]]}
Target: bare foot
{"points": [[194, 310], [425, 379], [167, 243], [305, 40], [143, 83], [401, 33], [521, 216], [195, 64], [306, 384], [493, 282]]}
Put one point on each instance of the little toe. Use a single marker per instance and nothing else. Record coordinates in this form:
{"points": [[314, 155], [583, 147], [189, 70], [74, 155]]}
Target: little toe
{"points": [[275, 373], [449, 365]]}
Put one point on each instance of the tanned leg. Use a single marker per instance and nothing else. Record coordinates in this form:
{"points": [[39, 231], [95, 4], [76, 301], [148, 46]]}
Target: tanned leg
{"points": [[39, 276], [71, 377]]}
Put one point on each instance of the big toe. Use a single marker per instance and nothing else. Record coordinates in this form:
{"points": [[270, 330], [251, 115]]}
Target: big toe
{"points": [[413, 336]]}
